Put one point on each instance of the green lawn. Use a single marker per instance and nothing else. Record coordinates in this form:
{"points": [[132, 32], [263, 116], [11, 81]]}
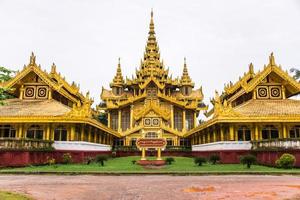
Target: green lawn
{"points": [[124, 165], [12, 196]]}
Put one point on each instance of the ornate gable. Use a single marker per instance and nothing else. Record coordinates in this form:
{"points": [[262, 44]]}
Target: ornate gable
{"points": [[34, 83]]}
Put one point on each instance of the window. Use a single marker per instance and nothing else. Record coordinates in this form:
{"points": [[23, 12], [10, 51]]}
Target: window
{"points": [[7, 131], [189, 117], [151, 135], [114, 119], [125, 119], [269, 132], [35, 132], [169, 142], [133, 142], [60, 133], [178, 119], [295, 132], [244, 133]]}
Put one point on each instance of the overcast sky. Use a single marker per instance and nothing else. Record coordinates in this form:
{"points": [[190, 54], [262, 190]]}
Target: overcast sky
{"points": [[85, 38]]}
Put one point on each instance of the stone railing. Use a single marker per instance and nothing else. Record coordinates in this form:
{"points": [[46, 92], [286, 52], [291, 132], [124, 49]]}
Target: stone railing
{"points": [[223, 145], [291, 143], [22, 143]]}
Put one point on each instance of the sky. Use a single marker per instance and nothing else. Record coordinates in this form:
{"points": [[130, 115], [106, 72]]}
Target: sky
{"points": [[85, 38]]}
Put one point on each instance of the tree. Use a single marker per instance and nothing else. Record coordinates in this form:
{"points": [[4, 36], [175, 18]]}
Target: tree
{"points": [[103, 118], [5, 75], [296, 73]]}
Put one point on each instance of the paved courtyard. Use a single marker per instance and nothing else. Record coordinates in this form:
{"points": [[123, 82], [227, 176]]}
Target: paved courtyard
{"points": [[84, 187]]}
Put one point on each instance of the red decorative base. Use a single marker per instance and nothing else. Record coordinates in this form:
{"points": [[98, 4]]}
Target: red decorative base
{"points": [[151, 162]]}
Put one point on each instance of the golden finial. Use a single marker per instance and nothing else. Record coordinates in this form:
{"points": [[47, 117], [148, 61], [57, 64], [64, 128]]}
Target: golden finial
{"points": [[251, 68], [272, 59], [32, 59], [118, 79], [151, 31], [87, 95], [185, 78], [53, 68]]}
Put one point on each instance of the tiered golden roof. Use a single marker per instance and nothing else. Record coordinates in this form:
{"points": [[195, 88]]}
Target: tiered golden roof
{"points": [[185, 78], [118, 80], [239, 101]]}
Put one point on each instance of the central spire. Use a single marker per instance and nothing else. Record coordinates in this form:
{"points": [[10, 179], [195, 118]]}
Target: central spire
{"points": [[151, 64]]}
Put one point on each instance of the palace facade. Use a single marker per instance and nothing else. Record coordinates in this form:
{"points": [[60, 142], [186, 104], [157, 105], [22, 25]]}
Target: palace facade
{"points": [[257, 110], [152, 104], [44, 107]]}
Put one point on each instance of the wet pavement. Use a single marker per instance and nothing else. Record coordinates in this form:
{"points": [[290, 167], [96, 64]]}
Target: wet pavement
{"points": [[85, 187]]}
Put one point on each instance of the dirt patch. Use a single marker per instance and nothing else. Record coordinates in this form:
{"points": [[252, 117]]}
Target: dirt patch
{"points": [[199, 189]]}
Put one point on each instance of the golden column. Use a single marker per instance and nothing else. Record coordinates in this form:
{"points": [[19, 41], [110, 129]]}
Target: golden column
{"points": [[72, 130], [231, 132], [119, 121], [195, 120], [131, 116], [256, 132], [183, 121], [172, 116], [284, 131], [143, 154], [82, 132], [20, 131], [47, 135], [108, 119], [214, 134], [222, 133], [90, 134], [158, 154]]}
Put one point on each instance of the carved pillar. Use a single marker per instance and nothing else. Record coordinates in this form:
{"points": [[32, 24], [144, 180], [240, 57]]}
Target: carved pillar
{"points": [[49, 94], [47, 134], [283, 92], [119, 121], [231, 132], [20, 131], [256, 132], [183, 121], [131, 116], [82, 132], [221, 133], [158, 154], [284, 131], [108, 119], [195, 119], [172, 116], [214, 134], [143, 154], [21, 92], [90, 134], [72, 132], [208, 136]]}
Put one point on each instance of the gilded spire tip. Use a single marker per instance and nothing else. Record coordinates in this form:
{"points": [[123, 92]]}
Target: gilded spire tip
{"points": [[272, 59], [32, 59]]}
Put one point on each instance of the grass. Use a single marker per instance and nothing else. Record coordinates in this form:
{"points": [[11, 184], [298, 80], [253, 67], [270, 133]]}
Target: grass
{"points": [[12, 196], [124, 165]]}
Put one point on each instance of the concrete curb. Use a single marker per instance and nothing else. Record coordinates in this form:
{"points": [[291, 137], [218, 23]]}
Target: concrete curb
{"points": [[116, 173]]}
